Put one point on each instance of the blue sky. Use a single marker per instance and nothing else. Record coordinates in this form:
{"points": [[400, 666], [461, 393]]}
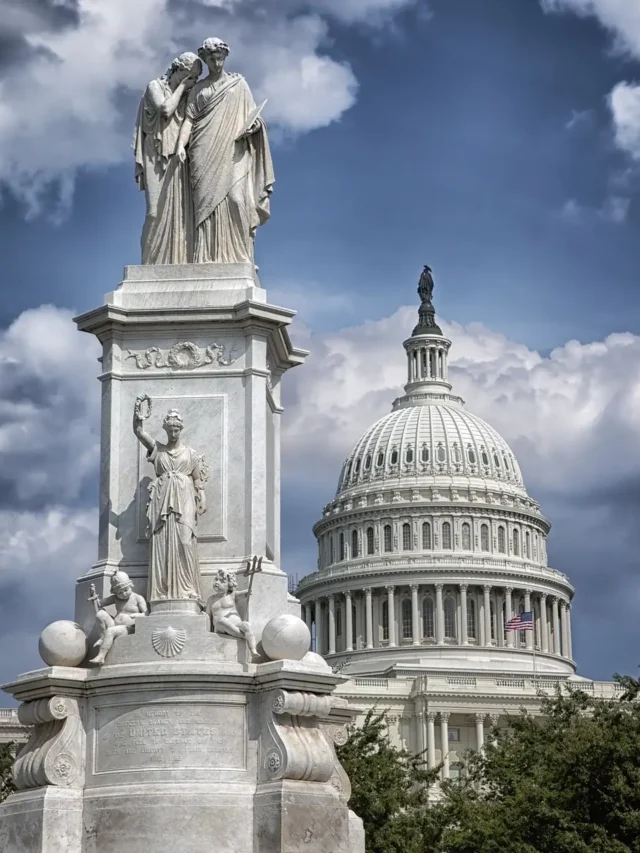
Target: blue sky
{"points": [[480, 136]]}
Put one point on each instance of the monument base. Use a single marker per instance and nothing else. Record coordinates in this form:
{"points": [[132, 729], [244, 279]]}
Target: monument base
{"points": [[180, 744]]}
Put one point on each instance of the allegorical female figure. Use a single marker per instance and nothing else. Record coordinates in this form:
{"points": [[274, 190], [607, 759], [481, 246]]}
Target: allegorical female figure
{"points": [[176, 500], [230, 165], [167, 235]]}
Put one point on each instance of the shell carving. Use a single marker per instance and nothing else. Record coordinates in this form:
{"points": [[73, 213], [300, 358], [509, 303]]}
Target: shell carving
{"points": [[168, 642]]}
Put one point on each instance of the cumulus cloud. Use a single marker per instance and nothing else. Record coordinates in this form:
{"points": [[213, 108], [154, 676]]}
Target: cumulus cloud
{"points": [[71, 73], [614, 209]]}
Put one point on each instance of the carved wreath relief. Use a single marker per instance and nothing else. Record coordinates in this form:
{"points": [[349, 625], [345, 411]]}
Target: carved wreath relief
{"points": [[184, 355]]}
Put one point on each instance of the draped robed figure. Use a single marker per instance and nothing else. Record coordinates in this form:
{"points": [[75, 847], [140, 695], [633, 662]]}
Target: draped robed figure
{"points": [[230, 167]]}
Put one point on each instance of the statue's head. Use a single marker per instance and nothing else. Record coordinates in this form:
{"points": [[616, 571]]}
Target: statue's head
{"points": [[173, 424], [121, 585], [185, 65], [224, 581], [214, 51]]}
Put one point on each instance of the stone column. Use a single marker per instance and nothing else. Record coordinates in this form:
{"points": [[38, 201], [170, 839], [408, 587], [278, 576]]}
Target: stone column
{"points": [[480, 731], [332, 625], [509, 614], [392, 615], [415, 614], [439, 616], [419, 717], [308, 618], [320, 640], [464, 634], [544, 626], [431, 739], [348, 621], [554, 620], [569, 637], [487, 615], [565, 634], [444, 742], [368, 617], [527, 607]]}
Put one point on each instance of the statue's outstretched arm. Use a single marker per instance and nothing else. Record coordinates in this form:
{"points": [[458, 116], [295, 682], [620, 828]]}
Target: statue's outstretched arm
{"points": [[138, 430]]}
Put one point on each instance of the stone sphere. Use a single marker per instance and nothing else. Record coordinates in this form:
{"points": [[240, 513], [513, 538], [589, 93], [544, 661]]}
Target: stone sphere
{"points": [[286, 638], [63, 643]]}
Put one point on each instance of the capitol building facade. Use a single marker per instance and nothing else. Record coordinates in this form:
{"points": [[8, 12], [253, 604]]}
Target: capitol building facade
{"points": [[429, 547]]}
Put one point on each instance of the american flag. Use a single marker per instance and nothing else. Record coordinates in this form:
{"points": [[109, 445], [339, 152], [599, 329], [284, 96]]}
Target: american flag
{"points": [[523, 622]]}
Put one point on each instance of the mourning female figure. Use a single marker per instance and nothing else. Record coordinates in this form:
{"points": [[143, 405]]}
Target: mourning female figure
{"points": [[176, 500], [167, 235]]}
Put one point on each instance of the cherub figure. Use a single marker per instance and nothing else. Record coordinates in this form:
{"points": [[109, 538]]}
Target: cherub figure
{"points": [[128, 604], [221, 607]]}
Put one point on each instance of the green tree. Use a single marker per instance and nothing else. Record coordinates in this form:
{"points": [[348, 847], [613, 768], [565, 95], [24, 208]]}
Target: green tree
{"points": [[389, 790], [566, 782], [7, 753]]}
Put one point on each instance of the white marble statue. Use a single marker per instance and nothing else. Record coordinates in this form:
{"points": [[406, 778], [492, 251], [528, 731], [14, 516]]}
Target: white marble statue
{"points": [[221, 607], [167, 235], [176, 500], [224, 140], [128, 607]]}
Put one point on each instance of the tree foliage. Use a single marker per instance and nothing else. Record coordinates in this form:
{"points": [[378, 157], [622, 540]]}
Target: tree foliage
{"points": [[389, 789], [7, 754], [564, 782]]}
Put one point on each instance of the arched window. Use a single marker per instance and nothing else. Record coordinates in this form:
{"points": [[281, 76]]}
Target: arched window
{"points": [[424, 454], [502, 543], [446, 536], [406, 537], [385, 620], [449, 618], [369, 540], [407, 619], [484, 457], [466, 536], [354, 627], [441, 454], [496, 459], [471, 619], [426, 536], [492, 612], [394, 456], [457, 456], [354, 543], [332, 554], [342, 546], [409, 455], [471, 455], [367, 462], [516, 542], [358, 465], [428, 621], [484, 537], [338, 621], [506, 462], [380, 459], [387, 537], [527, 545]]}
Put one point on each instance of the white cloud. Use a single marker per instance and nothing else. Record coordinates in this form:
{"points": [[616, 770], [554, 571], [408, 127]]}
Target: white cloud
{"points": [[70, 103], [621, 18]]}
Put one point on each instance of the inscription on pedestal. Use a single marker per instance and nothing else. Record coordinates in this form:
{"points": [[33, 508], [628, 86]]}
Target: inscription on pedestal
{"points": [[169, 735]]}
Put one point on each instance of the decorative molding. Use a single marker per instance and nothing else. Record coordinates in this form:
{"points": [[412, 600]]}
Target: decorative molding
{"points": [[55, 752], [184, 355]]}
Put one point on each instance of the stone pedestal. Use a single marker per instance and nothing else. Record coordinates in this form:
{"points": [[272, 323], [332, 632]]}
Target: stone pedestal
{"points": [[203, 339], [182, 742]]}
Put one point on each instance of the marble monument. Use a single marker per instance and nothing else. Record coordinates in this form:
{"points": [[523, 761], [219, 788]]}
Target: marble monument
{"points": [[184, 732]]}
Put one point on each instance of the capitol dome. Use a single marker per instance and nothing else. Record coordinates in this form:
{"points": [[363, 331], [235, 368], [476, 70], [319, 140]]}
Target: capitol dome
{"points": [[432, 545]]}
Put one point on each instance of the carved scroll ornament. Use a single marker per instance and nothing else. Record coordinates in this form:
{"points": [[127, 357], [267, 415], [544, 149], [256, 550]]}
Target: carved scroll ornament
{"points": [[55, 753], [184, 355]]}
